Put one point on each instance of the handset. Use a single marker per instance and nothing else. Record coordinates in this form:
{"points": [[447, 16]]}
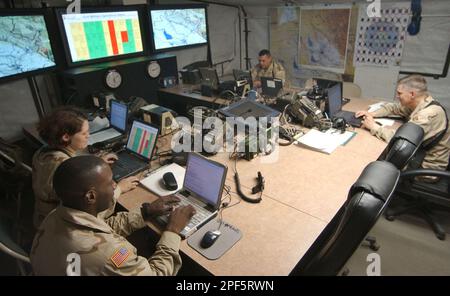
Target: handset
{"points": [[309, 107]]}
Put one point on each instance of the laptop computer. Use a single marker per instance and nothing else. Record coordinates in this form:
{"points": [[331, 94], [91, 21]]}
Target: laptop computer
{"points": [[271, 87], [138, 152], [334, 106], [118, 124], [202, 188]]}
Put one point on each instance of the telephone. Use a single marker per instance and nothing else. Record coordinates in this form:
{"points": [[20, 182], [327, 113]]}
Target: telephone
{"points": [[305, 111]]}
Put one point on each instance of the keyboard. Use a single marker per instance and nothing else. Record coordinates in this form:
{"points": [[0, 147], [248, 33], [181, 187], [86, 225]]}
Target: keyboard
{"points": [[199, 217], [103, 136]]}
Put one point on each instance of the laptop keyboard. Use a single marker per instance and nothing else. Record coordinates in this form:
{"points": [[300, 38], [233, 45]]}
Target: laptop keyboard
{"points": [[103, 136], [200, 215]]}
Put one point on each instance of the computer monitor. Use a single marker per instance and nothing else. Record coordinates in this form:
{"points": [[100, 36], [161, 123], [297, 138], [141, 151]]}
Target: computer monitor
{"points": [[100, 34], [176, 27], [248, 108], [243, 75], [118, 116], [209, 77], [25, 46], [324, 84], [334, 101], [271, 86]]}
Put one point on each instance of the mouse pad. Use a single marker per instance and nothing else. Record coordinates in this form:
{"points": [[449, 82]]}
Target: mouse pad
{"points": [[230, 235]]}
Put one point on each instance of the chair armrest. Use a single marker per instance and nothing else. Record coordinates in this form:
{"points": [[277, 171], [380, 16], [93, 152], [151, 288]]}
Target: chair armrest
{"points": [[425, 172]]}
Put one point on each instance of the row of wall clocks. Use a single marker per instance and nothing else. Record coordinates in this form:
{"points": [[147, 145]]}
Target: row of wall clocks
{"points": [[113, 78]]}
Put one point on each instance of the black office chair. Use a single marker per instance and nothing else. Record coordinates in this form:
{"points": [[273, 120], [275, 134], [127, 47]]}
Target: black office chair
{"points": [[366, 201], [403, 145], [426, 197], [11, 248]]}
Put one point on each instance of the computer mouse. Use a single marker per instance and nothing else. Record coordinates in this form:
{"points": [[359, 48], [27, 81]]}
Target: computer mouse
{"points": [[209, 238], [169, 181]]}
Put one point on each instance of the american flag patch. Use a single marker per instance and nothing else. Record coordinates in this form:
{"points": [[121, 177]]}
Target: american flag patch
{"points": [[120, 256]]}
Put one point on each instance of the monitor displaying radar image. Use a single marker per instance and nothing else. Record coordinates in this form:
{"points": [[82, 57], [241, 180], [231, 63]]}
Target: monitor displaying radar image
{"points": [[24, 45], [100, 35], [178, 27]]}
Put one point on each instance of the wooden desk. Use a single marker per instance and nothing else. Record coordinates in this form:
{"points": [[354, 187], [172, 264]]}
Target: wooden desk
{"points": [[304, 190]]}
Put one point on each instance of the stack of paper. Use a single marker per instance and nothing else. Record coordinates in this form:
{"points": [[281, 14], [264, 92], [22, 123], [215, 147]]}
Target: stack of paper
{"points": [[325, 142]]}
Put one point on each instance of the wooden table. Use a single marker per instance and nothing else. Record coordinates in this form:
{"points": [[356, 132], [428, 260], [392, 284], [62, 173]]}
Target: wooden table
{"points": [[304, 190]]}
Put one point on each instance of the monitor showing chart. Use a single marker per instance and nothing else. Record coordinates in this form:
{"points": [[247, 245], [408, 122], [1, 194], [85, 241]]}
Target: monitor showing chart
{"points": [[178, 27], [24, 45], [98, 35], [142, 139]]}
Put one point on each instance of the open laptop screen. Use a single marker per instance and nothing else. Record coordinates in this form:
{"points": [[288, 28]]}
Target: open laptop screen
{"points": [[142, 139], [205, 178], [271, 86], [334, 99], [119, 113]]}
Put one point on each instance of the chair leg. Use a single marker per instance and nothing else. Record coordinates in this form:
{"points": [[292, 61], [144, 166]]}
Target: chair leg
{"points": [[438, 229]]}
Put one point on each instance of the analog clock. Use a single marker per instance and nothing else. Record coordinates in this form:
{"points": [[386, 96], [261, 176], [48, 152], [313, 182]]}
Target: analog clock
{"points": [[113, 78], [153, 69]]}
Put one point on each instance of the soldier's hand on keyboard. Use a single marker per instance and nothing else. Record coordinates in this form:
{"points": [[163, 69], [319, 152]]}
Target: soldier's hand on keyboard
{"points": [[162, 206], [110, 158], [180, 218], [128, 184]]}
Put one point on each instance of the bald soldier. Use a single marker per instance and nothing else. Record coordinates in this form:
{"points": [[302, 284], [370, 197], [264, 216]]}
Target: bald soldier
{"points": [[85, 186], [418, 107]]}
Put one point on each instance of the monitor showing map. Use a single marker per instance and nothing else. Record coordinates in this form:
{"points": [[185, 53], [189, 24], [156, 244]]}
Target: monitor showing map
{"points": [[92, 36], [178, 27], [24, 45]]}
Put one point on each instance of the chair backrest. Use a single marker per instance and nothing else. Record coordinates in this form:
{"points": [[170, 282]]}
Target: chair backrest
{"points": [[366, 201], [351, 90], [403, 145]]}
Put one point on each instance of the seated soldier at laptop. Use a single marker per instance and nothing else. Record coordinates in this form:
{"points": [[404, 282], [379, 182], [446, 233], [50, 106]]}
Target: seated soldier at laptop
{"points": [[85, 186]]}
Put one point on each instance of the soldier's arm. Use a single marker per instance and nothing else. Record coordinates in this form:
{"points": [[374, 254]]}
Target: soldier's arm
{"points": [[392, 109], [165, 261], [125, 223]]}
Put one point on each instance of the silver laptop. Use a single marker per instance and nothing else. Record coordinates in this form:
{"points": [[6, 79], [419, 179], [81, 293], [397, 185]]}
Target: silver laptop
{"points": [[118, 124], [202, 188]]}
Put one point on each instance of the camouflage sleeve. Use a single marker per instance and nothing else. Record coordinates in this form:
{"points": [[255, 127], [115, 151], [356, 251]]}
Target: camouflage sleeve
{"points": [[125, 223], [165, 261], [431, 119], [392, 109], [280, 73], [254, 73], [382, 133]]}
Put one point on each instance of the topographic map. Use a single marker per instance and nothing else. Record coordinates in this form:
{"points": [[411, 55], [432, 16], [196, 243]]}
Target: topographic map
{"points": [[178, 27], [323, 38], [24, 45]]}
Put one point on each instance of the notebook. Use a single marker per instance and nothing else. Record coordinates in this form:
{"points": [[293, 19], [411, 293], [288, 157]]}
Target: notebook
{"points": [[118, 124], [202, 188], [335, 106], [138, 152]]}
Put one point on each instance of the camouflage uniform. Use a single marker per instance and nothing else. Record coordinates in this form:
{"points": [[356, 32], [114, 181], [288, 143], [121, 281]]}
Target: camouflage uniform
{"points": [[275, 70], [45, 163], [431, 119], [100, 244]]}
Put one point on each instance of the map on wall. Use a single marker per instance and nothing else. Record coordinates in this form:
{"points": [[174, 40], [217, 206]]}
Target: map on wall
{"points": [[323, 36], [380, 40]]}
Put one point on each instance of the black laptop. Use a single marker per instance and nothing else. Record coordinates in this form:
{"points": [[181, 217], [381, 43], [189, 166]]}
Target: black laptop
{"points": [[138, 152], [334, 106], [271, 87]]}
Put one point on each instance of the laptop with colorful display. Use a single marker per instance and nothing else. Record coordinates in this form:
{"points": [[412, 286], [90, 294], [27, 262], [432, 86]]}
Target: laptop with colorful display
{"points": [[138, 152]]}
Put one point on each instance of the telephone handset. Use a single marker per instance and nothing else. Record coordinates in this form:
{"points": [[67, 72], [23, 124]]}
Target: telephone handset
{"points": [[304, 110]]}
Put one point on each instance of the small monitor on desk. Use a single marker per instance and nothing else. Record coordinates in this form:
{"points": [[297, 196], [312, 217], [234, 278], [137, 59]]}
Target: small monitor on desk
{"points": [[210, 77], [271, 86]]}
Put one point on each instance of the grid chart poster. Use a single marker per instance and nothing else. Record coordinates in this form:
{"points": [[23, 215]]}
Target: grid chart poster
{"points": [[323, 37], [380, 40]]}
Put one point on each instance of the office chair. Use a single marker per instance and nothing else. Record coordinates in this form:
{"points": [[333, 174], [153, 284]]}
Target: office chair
{"points": [[403, 145], [425, 197], [11, 248], [366, 201]]}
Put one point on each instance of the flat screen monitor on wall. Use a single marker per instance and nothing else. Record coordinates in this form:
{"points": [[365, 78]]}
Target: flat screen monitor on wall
{"points": [[178, 27], [101, 34], [25, 47]]}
